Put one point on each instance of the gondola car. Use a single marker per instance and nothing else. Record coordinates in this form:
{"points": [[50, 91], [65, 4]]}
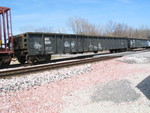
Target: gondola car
{"points": [[36, 47]]}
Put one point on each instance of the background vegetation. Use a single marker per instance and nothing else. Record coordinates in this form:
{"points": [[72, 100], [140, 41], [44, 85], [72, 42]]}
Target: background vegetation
{"points": [[78, 25]]}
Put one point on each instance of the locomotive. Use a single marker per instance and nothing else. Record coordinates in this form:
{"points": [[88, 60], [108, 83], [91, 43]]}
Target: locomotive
{"points": [[33, 47]]}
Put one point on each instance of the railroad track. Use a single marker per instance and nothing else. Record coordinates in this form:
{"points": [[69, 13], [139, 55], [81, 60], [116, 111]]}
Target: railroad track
{"points": [[38, 68]]}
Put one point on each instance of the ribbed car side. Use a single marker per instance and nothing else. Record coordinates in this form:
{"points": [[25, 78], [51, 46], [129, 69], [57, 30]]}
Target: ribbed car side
{"points": [[38, 47]]}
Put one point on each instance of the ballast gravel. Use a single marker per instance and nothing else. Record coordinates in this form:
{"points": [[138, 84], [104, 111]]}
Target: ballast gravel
{"points": [[140, 58], [115, 86], [27, 81]]}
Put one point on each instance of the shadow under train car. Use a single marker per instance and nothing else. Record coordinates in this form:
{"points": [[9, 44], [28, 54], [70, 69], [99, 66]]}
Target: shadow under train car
{"points": [[144, 87]]}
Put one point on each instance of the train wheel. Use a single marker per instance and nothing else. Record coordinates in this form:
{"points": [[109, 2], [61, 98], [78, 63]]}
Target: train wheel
{"points": [[112, 51], [29, 59], [48, 58], [1, 62], [95, 51], [22, 60], [43, 58], [5, 64]]}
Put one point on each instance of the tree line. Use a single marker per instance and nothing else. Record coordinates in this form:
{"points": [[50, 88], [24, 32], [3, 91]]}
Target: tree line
{"points": [[79, 25], [114, 29]]}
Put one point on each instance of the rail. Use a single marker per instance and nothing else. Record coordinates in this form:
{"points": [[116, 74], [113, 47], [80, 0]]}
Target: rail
{"points": [[39, 68]]}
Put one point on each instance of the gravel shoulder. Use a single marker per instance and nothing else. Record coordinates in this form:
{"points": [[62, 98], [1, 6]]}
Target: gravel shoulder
{"points": [[130, 94], [120, 86], [117, 96]]}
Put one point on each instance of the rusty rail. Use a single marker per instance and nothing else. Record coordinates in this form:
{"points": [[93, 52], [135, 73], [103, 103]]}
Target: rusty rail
{"points": [[40, 68]]}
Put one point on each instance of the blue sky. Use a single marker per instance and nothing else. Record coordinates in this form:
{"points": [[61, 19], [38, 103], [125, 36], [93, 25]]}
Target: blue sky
{"points": [[55, 13]]}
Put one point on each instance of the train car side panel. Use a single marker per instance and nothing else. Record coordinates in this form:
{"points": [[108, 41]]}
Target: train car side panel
{"points": [[90, 44], [35, 44], [95, 44], [59, 43], [100, 44], [73, 44], [86, 43], [49, 44], [80, 44], [67, 44]]}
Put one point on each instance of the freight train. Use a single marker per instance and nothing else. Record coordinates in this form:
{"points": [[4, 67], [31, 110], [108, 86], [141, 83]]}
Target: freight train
{"points": [[37, 47], [33, 47]]}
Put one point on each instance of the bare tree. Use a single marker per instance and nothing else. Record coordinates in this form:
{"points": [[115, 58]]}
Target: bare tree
{"points": [[144, 31], [82, 26], [123, 30], [109, 28]]}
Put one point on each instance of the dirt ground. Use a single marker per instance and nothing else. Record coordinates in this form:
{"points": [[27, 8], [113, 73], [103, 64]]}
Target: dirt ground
{"points": [[129, 95], [115, 86]]}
